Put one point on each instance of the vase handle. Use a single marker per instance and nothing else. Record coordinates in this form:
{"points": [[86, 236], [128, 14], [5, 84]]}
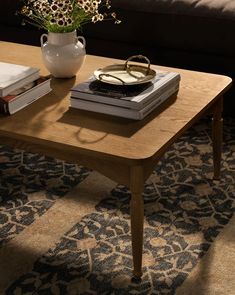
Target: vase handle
{"points": [[41, 39], [82, 39]]}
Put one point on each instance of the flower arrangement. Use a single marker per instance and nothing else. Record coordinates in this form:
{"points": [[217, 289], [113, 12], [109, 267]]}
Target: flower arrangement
{"points": [[60, 16]]}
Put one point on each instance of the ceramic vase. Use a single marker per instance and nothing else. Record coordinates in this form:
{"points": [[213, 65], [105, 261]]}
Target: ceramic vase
{"points": [[63, 53]]}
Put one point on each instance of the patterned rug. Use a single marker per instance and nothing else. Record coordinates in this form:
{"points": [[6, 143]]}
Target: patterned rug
{"points": [[65, 229]]}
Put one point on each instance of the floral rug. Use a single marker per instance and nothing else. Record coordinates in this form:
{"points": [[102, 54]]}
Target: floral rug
{"points": [[86, 216]]}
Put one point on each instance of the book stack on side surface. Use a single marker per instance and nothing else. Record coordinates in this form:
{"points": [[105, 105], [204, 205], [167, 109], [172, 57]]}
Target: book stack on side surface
{"points": [[19, 86], [134, 102]]}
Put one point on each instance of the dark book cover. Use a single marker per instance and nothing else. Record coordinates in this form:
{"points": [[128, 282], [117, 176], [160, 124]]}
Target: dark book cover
{"points": [[96, 87], [127, 96]]}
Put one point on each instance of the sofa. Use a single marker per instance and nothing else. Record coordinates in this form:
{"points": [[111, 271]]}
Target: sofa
{"points": [[192, 34]]}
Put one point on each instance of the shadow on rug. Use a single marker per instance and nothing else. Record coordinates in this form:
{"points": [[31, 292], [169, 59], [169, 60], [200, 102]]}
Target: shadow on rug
{"points": [[185, 210]]}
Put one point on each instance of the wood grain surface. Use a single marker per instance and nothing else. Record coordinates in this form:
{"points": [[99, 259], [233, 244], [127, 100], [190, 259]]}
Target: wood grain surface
{"points": [[50, 120]]}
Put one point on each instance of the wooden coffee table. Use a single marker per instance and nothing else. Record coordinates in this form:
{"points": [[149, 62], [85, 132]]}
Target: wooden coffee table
{"points": [[124, 150]]}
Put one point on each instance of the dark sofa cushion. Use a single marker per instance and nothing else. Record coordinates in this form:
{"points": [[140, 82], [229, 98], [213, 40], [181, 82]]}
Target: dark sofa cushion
{"points": [[208, 8], [204, 26]]}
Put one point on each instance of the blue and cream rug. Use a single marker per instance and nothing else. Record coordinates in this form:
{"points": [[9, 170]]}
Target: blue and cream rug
{"points": [[65, 229]]}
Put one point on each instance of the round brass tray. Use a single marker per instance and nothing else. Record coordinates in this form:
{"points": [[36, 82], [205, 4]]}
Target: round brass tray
{"points": [[126, 74]]}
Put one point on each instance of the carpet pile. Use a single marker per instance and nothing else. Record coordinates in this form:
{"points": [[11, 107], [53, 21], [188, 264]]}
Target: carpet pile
{"points": [[65, 229]]}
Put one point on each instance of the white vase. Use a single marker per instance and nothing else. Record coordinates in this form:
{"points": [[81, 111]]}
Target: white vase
{"points": [[62, 53]]}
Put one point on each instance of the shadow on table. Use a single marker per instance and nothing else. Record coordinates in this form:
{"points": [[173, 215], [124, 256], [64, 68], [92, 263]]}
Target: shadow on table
{"points": [[111, 124]]}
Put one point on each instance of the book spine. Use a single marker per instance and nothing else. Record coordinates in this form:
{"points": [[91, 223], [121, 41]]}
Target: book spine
{"points": [[155, 95], [104, 108], [29, 97], [119, 111], [147, 110]]}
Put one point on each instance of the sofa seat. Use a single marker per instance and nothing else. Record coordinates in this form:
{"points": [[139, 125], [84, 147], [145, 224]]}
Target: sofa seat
{"points": [[202, 26]]}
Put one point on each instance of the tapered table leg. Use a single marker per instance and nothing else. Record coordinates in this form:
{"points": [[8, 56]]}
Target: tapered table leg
{"points": [[217, 136], [137, 218]]}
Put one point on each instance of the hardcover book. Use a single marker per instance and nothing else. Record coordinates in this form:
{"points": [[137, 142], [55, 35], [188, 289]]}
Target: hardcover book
{"points": [[134, 96], [123, 111], [25, 95], [13, 76]]}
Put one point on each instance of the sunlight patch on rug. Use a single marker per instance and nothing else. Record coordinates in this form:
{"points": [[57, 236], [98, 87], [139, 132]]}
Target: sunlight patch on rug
{"points": [[29, 186]]}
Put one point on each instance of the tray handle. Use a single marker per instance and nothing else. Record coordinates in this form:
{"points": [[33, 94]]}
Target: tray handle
{"points": [[139, 56], [109, 75]]}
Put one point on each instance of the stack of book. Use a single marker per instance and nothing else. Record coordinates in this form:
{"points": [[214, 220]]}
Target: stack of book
{"points": [[134, 102], [20, 86]]}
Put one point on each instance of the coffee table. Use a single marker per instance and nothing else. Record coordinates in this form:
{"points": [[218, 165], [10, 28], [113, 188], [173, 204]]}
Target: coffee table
{"points": [[124, 150]]}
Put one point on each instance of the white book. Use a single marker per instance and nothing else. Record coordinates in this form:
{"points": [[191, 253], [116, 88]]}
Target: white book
{"points": [[122, 111], [14, 76], [134, 96], [24, 96]]}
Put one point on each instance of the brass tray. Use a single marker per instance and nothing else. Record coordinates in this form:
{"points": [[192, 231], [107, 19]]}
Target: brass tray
{"points": [[126, 74]]}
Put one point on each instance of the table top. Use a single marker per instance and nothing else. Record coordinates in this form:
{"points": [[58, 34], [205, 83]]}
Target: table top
{"points": [[50, 122]]}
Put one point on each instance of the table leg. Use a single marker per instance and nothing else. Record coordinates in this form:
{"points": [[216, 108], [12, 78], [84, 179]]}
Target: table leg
{"points": [[137, 218], [217, 136]]}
